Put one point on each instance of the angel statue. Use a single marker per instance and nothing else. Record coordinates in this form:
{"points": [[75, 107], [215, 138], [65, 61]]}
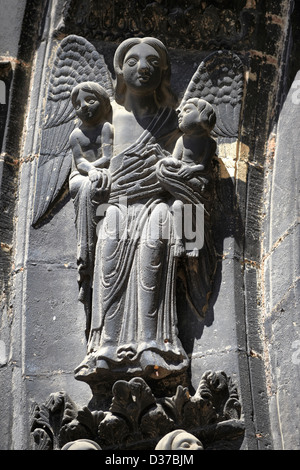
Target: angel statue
{"points": [[127, 265]]}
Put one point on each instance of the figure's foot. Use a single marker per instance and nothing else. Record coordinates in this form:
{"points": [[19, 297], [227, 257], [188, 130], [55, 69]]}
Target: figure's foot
{"points": [[193, 253]]}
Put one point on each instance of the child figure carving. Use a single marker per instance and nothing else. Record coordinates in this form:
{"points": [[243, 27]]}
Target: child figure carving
{"points": [[193, 153], [92, 141], [92, 148]]}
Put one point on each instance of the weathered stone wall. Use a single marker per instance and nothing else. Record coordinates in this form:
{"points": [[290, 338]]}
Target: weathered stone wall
{"points": [[280, 274], [251, 328], [20, 22]]}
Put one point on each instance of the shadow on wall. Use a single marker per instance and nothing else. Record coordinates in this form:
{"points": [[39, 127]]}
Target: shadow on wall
{"points": [[226, 224]]}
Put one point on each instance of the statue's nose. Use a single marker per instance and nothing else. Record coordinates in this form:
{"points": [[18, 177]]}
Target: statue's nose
{"points": [[143, 66]]}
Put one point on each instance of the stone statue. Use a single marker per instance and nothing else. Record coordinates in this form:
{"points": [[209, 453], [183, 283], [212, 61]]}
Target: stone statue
{"points": [[131, 163], [92, 148], [133, 325], [92, 142], [193, 154]]}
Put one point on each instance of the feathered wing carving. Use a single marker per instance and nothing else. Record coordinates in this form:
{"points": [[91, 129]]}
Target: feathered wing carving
{"points": [[219, 80], [76, 61]]}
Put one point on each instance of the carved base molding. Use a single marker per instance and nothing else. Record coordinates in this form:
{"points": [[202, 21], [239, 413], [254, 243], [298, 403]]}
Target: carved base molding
{"points": [[137, 420]]}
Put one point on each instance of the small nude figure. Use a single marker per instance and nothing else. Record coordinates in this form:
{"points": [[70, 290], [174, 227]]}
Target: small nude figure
{"points": [[195, 149], [92, 141]]}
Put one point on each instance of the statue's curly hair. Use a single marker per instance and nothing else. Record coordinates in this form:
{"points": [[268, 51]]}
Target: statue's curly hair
{"points": [[206, 112]]}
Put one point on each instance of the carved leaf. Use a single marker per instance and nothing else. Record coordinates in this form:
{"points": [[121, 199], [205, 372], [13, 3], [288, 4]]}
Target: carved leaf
{"points": [[217, 389], [232, 409], [41, 440], [76, 61], [85, 417], [113, 430], [156, 422], [176, 403], [40, 418], [131, 399]]}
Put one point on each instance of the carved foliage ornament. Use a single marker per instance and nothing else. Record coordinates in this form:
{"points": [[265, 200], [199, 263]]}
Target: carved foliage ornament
{"points": [[136, 419]]}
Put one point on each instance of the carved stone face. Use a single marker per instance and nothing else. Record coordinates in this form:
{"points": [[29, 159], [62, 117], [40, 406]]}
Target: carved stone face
{"points": [[87, 107], [186, 441], [189, 119], [81, 444], [142, 69]]}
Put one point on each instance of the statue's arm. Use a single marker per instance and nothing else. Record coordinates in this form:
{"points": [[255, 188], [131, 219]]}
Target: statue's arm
{"points": [[82, 164], [177, 152], [107, 135], [188, 171]]}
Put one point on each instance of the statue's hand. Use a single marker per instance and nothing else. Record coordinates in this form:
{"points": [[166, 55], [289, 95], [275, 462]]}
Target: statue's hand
{"points": [[94, 175], [100, 186], [185, 172], [168, 164], [171, 162]]}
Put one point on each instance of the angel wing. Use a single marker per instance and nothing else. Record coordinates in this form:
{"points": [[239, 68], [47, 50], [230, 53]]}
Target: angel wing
{"points": [[219, 80], [76, 61]]}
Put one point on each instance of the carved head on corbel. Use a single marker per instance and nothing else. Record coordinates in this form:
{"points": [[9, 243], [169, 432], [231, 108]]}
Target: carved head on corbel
{"points": [[179, 440], [81, 444]]}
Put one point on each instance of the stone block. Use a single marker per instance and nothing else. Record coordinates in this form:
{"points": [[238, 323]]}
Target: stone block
{"points": [[284, 353], [55, 240], [54, 321], [282, 268]]}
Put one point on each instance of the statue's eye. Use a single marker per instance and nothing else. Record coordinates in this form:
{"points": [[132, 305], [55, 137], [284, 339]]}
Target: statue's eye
{"points": [[185, 445], [91, 101], [131, 62], [154, 62]]}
